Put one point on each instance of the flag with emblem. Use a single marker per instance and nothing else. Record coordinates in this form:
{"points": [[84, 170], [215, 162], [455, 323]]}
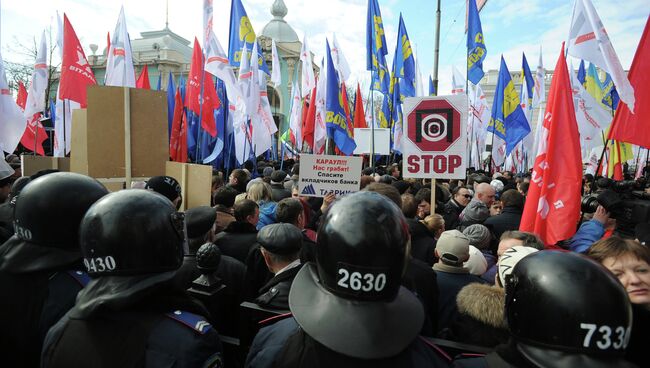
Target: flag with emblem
{"points": [[307, 71], [242, 36], [76, 74], [552, 207], [335, 117], [119, 62], [376, 49], [507, 121], [35, 133], [476, 50]]}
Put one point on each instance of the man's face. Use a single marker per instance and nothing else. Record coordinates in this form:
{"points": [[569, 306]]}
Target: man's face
{"points": [[496, 208], [463, 196], [254, 219], [396, 172], [506, 244], [424, 209], [487, 196]]}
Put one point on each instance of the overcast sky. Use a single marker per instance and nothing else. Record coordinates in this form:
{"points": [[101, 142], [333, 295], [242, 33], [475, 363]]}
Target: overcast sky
{"points": [[509, 26]]}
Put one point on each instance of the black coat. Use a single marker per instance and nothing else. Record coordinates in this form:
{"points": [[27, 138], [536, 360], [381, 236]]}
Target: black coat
{"points": [[509, 219], [34, 295], [421, 280], [284, 344], [450, 213], [278, 192], [423, 244], [449, 284], [237, 240], [156, 330], [275, 294]]}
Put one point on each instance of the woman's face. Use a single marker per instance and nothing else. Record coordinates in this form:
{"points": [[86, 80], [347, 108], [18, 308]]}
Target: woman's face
{"points": [[634, 274]]}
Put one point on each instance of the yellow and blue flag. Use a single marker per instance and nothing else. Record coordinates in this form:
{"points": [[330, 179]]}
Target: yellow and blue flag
{"points": [[527, 87], [376, 49], [476, 50], [610, 97], [242, 34], [335, 119], [508, 121], [404, 63]]}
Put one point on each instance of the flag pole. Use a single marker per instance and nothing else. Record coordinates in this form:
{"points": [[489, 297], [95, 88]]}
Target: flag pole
{"points": [[372, 128], [436, 52]]}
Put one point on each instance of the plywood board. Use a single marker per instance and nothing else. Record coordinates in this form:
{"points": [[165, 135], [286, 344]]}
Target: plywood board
{"points": [[30, 165], [195, 180], [78, 143]]}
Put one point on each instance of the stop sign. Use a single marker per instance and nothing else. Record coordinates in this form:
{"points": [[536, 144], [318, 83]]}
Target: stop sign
{"points": [[434, 125], [435, 142]]}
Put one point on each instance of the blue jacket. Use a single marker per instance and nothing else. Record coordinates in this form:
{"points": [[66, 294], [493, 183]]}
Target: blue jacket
{"points": [[267, 214], [588, 233]]}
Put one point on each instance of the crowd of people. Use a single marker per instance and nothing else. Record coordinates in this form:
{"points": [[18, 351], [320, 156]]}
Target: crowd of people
{"points": [[403, 273]]}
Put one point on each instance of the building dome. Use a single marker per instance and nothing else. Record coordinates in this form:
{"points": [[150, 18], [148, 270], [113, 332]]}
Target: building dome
{"points": [[278, 29]]}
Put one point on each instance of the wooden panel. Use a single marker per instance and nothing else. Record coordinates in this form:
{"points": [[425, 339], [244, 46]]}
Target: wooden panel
{"points": [[195, 180]]}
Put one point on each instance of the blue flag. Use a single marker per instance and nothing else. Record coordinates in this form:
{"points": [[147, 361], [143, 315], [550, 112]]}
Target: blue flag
{"points": [[582, 73], [335, 119], [404, 60], [215, 145], [158, 86], [508, 120], [476, 50], [242, 34], [376, 49], [171, 102], [530, 82], [432, 88]]}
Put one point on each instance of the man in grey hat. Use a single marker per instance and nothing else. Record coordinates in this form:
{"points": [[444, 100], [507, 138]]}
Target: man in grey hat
{"points": [[279, 192], [478, 209], [280, 245], [452, 250]]}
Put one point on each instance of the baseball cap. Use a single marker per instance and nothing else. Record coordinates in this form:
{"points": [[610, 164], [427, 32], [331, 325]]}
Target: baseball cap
{"points": [[453, 248]]}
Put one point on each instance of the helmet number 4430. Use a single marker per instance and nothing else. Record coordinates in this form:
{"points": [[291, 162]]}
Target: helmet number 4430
{"points": [[100, 264]]}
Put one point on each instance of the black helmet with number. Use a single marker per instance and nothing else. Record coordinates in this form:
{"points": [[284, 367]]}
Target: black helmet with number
{"points": [[46, 221], [565, 310], [132, 232], [352, 301]]}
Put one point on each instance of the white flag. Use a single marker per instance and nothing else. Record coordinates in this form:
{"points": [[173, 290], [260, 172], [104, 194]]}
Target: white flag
{"points": [[12, 120], [208, 15], [119, 63], [419, 87], [248, 85], [36, 91], [262, 119], [539, 91], [320, 130], [217, 64], [63, 116], [588, 40], [295, 119], [276, 72], [340, 62], [457, 82], [308, 80], [498, 150], [479, 116], [592, 118]]}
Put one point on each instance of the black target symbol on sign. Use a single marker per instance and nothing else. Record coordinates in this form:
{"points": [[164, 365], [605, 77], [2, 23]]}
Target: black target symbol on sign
{"points": [[433, 125]]}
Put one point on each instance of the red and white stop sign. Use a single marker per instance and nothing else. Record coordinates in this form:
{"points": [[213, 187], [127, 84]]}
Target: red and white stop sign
{"points": [[435, 143]]}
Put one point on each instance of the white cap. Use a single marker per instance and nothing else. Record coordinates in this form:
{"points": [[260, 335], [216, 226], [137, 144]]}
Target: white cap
{"points": [[476, 264]]}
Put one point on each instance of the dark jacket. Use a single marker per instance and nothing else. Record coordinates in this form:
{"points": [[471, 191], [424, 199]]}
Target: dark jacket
{"points": [[275, 293], [421, 280], [278, 192], [423, 244], [450, 281], [451, 211], [509, 219], [35, 292], [237, 240], [6, 221], [132, 325], [284, 344]]}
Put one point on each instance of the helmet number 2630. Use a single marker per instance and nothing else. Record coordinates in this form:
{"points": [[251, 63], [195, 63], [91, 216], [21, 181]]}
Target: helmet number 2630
{"points": [[358, 281]]}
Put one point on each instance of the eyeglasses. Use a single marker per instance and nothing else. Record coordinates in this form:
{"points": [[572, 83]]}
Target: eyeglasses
{"points": [[468, 196]]}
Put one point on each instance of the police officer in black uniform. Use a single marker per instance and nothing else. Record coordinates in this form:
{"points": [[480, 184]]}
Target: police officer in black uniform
{"points": [[349, 309], [280, 245], [40, 265], [563, 311], [131, 314]]}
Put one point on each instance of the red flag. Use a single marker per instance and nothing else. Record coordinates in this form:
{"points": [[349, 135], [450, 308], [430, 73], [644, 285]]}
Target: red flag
{"points": [[629, 127], [76, 74], [553, 203], [310, 120], [211, 102], [359, 115], [193, 92], [21, 99], [143, 79], [178, 138], [34, 126]]}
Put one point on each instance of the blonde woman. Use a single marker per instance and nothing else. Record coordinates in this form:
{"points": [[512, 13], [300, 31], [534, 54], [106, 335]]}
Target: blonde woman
{"points": [[261, 194]]}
